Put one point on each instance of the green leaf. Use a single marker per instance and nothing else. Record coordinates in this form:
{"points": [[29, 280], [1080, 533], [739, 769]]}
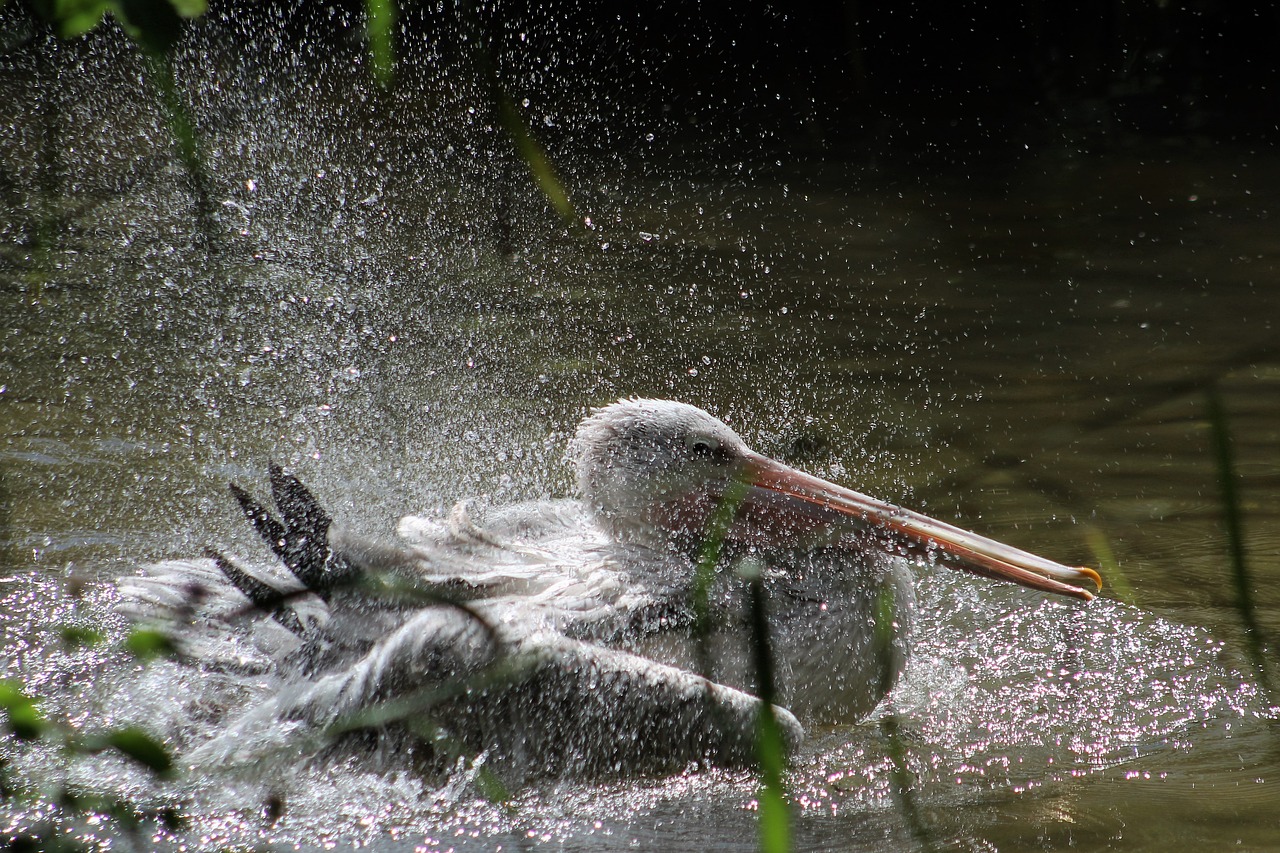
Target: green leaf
{"points": [[142, 748], [79, 636], [74, 18], [775, 821], [190, 8], [146, 643], [775, 815], [23, 717], [1109, 565], [491, 788], [155, 24]]}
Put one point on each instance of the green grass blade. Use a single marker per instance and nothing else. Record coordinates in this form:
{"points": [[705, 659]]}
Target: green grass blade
{"points": [[1110, 566], [774, 813], [705, 571], [771, 751], [380, 23], [1233, 521], [537, 159]]}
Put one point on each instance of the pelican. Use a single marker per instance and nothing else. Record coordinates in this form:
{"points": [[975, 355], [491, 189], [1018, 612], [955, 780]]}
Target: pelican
{"points": [[606, 634]]}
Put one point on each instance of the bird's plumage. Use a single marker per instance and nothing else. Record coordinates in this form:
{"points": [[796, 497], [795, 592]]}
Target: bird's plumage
{"points": [[569, 636]]}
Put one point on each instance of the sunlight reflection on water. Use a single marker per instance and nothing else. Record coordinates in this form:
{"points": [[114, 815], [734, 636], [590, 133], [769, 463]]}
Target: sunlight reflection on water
{"points": [[1008, 696]]}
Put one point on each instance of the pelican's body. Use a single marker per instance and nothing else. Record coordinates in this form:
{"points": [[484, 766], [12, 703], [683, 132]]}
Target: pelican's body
{"points": [[607, 633], [553, 566]]}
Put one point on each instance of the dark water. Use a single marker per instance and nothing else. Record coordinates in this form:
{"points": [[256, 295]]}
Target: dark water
{"points": [[1023, 343]]}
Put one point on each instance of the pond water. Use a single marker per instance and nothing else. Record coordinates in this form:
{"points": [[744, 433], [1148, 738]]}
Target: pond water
{"points": [[1021, 341]]}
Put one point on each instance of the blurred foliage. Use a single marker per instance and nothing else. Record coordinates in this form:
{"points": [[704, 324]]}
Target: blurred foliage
{"points": [[136, 744], [705, 573], [145, 644], [380, 23], [1105, 557], [157, 25], [23, 720], [26, 723], [771, 750], [154, 24], [901, 779], [538, 161]]}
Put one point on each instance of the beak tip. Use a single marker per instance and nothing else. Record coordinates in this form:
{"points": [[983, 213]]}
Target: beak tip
{"points": [[1091, 575]]}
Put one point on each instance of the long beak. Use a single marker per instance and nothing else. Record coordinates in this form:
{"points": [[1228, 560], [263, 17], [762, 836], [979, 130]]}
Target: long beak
{"points": [[781, 500]]}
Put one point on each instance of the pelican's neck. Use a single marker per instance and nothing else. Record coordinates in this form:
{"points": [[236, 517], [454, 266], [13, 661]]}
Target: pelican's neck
{"points": [[629, 512]]}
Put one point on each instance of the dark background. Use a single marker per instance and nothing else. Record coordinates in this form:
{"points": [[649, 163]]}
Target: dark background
{"points": [[842, 76], [902, 74]]}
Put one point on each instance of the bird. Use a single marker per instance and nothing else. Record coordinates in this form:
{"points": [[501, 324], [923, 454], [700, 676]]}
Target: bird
{"points": [[691, 588]]}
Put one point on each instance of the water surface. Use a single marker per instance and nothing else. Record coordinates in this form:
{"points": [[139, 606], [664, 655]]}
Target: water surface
{"points": [[1022, 343]]}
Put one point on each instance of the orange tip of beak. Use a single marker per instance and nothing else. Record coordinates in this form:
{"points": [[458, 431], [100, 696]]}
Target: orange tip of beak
{"points": [[1091, 575]]}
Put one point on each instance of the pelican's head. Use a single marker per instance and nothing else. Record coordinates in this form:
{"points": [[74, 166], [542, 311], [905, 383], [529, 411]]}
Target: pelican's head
{"points": [[639, 461], [654, 471]]}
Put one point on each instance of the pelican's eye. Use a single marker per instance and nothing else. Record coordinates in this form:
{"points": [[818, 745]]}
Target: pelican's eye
{"points": [[702, 446]]}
